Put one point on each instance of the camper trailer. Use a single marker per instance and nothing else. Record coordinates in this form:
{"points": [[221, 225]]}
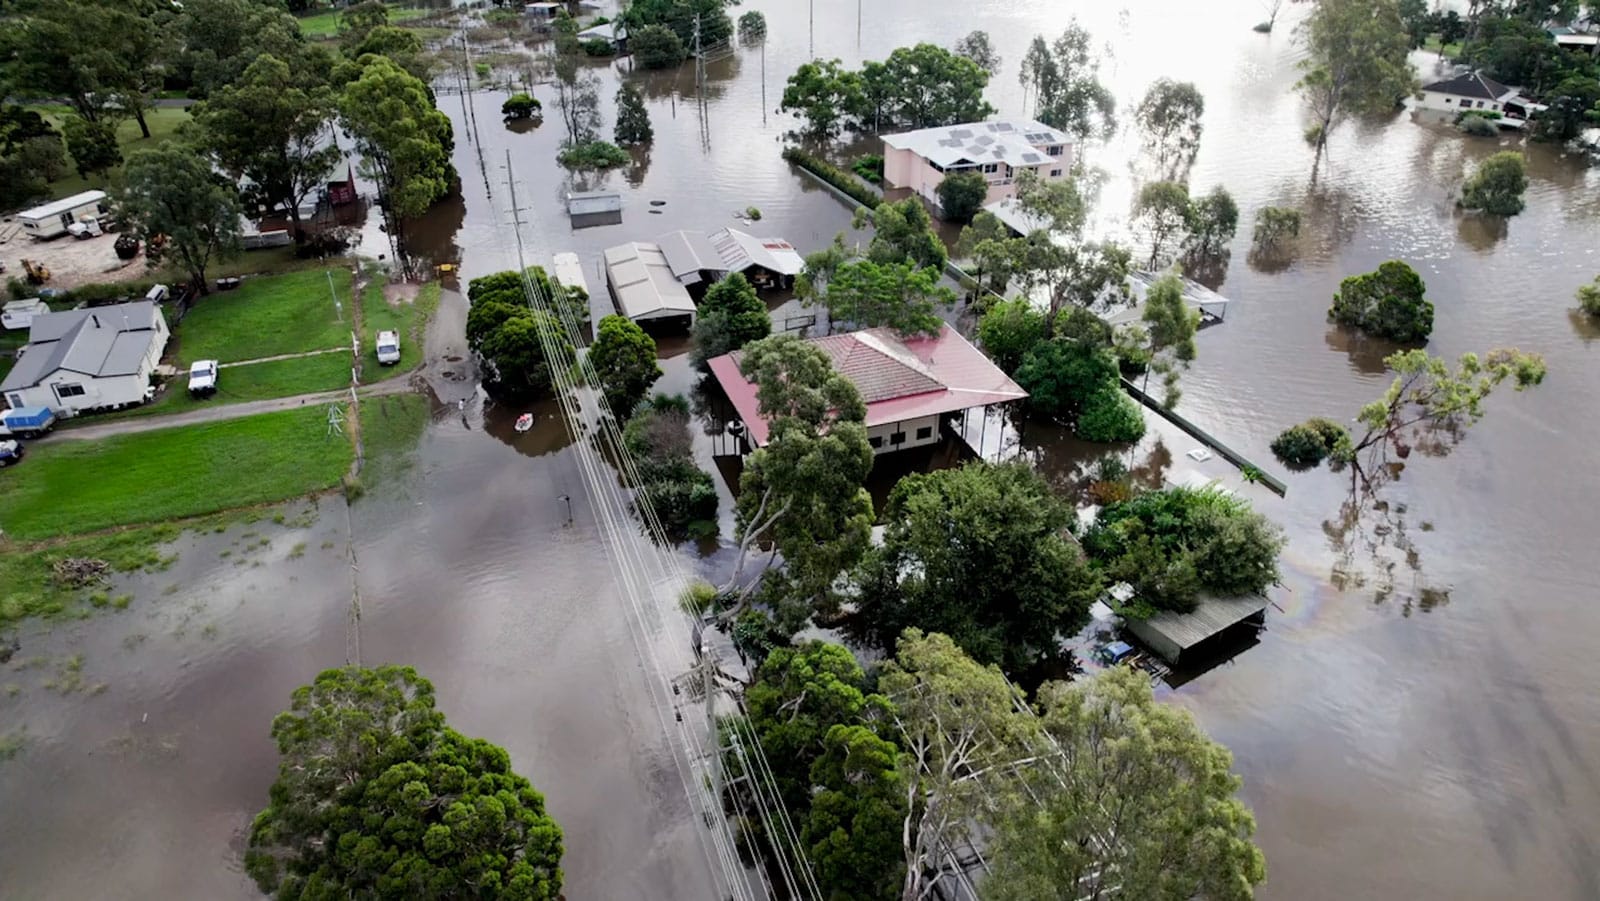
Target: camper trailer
{"points": [[56, 218]]}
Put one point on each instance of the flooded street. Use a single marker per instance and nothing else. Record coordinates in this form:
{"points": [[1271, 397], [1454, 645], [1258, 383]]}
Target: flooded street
{"points": [[1418, 721]]}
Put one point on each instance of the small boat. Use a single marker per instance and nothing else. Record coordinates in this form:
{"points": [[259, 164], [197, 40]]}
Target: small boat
{"points": [[524, 422]]}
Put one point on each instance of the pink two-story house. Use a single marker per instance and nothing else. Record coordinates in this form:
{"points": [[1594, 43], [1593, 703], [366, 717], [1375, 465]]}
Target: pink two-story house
{"points": [[999, 150]]}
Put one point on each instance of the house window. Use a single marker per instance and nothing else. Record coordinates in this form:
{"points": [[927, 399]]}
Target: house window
{"points": [[924, 433], [1480, 104], [897, 438], [1055, 173], [65, 391], [876, 441], [1054, 151], [16, 401], [991, 168]]}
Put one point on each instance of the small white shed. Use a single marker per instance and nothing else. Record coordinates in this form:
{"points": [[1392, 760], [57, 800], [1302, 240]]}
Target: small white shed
{"points": [[19, 313], [51, 219]]}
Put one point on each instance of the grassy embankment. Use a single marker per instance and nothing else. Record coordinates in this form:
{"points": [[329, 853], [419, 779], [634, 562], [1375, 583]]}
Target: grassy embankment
{"points": [[408, 317], [391, 426], [163, 125], [326, 24]]}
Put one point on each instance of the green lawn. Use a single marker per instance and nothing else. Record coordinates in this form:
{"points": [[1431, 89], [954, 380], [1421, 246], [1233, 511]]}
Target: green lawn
{"points": [[391, 426], [409, 318], [1451, 51], [255, 381], [72, 487], [32, 590], [163, 124], [326, 24], [268, 316]]}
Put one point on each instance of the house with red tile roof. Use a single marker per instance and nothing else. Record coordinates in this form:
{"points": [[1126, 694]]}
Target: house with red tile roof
{"points": [[913, 387]]}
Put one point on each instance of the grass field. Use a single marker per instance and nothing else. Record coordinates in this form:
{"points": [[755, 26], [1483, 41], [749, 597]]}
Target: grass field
{"points": [[31, 589], [391, 426], [163, 124], [238, 384], [409, 318], [326, 24], [265, 317], [74, 487]]}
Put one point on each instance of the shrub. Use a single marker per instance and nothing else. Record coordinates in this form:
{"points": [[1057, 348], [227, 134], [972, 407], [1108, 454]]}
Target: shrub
{"points": [[599, 47], [1388, 303], [1478, 127], [520, 106], [657, 47], [1275, 227], [961, 195], [870, 167], [593, 155], [833, 175], [1110, 416], [1310, 442], [1589, 298], [682, 495], [752, 26], [753, 213], [1497, 185]]}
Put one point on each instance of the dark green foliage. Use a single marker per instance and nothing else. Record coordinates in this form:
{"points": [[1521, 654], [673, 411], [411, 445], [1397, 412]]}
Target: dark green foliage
{"points": [[730, 316], [633, 120], [902, 232], [1078, 382], [657, 47], [593, 155], [1387, 303], [1478, 126], [833, 175], [1310, 442], [599, 47], [624, 359], [377, 798], [1173, 544], [752, 26], [852, 834], [18, 124], [507, 336], [1010, 330], [404, 141], [870, 167], [1063, 76], [679, 16], [982, 554], [900, 296], [1496, 187], [1570, 108], [677, 491], [93, 145], [1589, 297], [961, 195], [506, 288], [1275, 228], [520, 106], [1110, 416], [173, 190], [1213, 218]]}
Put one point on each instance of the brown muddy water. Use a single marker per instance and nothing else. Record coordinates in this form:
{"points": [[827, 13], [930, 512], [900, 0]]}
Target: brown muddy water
{"points": [[1418, 720]]}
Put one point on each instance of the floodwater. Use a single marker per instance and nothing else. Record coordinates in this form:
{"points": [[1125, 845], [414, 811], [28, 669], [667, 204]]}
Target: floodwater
{"points": [[1417, 721]]}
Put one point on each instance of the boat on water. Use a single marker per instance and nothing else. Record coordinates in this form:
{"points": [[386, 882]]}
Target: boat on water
{"points": [[524, 422]]}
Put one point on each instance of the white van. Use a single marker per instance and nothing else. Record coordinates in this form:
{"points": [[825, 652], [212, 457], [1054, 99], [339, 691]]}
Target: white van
{"points": [[388, 347], [203, 378]]}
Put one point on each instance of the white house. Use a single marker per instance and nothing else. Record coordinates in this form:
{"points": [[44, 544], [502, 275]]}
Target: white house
{"points": [[52, 219], [89, 359], [1000, 151], [1473, 91]]}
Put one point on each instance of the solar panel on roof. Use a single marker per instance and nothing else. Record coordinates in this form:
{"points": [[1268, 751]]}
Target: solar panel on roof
{"points": [[949, 142], [985, 140], [961, 133], [1001, 126], [1032, 158]]}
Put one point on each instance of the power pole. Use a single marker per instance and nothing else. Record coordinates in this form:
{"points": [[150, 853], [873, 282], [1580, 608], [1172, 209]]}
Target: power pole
{"points": [[811, 29], [699, 57]]}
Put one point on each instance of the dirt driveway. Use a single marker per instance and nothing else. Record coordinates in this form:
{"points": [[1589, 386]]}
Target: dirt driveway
{"points": [[72, 263]]}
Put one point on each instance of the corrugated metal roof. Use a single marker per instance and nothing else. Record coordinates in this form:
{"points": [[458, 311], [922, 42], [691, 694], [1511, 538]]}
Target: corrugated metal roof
{"points": [[99, 342], [1212, 616], [739, 251], [643, 282], [688, 253], [899, 379], [996, 142]]}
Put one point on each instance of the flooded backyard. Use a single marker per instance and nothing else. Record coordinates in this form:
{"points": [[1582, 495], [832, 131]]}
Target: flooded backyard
{"points": [[1418, 720]]}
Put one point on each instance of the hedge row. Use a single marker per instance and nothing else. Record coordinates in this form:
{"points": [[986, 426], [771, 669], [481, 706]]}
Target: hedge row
{"points": [[833, 175]]}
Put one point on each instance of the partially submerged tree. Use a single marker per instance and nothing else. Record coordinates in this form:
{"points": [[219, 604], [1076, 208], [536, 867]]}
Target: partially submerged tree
{"points": [[1009, 330], [377, 797], [1162, 209], [1169, 115], [578, 99], [961, 195], [1496, 187], [1171, 326], [1388, 303], [984, 554], [932, 87], [1356, 64], [520, 106], [271, 126], [657, 47], [1135, 801], [1589, 297], [172, 190], [624, 359], [633, 120], [404, 141], [1276, 228], [730, 316], [977, 47], [821, 92], [1213, 219], [892, 295], [1064, 80]]}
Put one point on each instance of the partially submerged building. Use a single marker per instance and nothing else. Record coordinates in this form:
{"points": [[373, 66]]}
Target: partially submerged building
{"points": [[696, 257], [644, 287], [1172, 635], [916, 389], [1000, 151], [1476, 92]]}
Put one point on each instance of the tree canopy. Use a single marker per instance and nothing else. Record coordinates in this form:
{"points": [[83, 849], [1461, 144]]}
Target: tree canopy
{"points": [[1162, 209], [1063, 78], [961, 195], [1497, 185], [1170, 326], [376, 797], [981, 553], [624, 359], [633, 120], [730, 316], [1140, 802], [172, 190], [892, 295], [405, 142], [1213, 219], [1388, 303], [1009, 330], [508, 337], [916, 87], [1356, 63], [1169, 115]]}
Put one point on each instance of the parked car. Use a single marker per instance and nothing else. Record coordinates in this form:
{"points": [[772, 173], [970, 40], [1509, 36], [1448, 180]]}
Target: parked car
{"points": [[28, 422], [203, 378], [10, 452], [388, 347]]}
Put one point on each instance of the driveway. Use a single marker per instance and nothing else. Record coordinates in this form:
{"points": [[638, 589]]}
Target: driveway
{"points": [[226, 411]]}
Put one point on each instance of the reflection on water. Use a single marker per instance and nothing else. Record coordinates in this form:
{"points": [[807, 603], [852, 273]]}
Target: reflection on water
{"points": [[1469, 738]]}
